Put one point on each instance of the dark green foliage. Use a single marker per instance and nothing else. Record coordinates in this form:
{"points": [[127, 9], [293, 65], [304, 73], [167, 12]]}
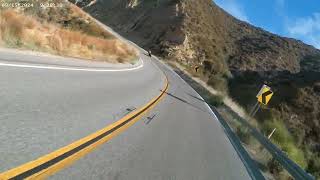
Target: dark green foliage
{"points": [[215, 100]]}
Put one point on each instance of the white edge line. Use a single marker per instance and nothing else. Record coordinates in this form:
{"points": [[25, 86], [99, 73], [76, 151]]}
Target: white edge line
{"points": [[210, 110], [215, 116], [71, 68]]}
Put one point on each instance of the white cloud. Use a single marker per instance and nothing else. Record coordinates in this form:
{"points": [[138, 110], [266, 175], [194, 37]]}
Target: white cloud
{"points": [[232, 7], [307, 29], [305, 26]]}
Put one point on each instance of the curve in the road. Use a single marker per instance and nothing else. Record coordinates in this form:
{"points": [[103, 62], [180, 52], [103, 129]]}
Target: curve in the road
{"points": [[57, 160], [69, 68]]}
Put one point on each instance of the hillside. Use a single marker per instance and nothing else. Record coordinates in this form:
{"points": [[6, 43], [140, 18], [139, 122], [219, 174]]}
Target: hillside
{"points": [[234, 57], [62, 29]]}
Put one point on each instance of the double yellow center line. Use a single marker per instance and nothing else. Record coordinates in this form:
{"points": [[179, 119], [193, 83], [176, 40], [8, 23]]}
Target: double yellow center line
{"points": [[57, 160]]}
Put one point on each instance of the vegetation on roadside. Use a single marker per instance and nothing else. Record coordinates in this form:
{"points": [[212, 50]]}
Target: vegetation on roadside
{"points": [[215, 100], [64, 30], [295, 94], [283, 139]]}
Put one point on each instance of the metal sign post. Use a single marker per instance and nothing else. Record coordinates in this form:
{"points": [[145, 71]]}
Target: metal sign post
{"points": [[255, 109], [272, 133]]}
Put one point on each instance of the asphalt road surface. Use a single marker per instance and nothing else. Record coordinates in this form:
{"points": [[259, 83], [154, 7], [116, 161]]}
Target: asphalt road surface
{"points": [[43, 110]]}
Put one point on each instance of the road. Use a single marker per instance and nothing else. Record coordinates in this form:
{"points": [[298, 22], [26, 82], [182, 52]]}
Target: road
{"points": [[44, 109]]}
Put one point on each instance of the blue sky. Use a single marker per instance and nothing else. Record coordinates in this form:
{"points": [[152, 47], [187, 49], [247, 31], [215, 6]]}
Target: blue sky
{"points": [[298, 19]]}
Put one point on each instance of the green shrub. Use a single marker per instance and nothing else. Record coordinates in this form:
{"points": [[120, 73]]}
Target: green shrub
{"points": [[215, 100], [314, 166]]}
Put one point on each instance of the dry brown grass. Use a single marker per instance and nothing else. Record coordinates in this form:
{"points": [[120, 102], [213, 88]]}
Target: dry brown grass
{"points": [[19, 30]]}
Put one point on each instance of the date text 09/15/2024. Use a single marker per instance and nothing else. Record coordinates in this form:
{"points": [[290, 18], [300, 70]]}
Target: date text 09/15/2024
{"points": [[30, 4]]}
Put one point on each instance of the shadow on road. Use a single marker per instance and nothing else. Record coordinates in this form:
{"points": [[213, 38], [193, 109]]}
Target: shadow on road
{"points": [[184, 101], [197, 98]]}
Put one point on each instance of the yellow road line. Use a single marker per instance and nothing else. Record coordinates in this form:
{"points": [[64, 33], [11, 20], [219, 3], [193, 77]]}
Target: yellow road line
{"points": [[57, 160]]}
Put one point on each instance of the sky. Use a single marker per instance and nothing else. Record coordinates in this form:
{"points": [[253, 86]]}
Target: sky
{"points": [[299, 19]]}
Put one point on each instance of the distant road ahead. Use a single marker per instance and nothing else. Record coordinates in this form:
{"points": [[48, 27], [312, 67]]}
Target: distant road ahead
{"points": [[43, 110]]}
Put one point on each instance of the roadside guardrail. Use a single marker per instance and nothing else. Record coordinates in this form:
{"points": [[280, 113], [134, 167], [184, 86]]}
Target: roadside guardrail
{"points": [[293, 169]]}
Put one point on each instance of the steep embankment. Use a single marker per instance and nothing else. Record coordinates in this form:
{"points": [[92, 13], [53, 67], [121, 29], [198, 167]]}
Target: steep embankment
{"points": [[62, 29], [234, 57]]}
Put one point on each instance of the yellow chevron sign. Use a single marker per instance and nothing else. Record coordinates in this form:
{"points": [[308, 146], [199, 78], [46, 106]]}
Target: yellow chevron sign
{"points": [[265, 95]]}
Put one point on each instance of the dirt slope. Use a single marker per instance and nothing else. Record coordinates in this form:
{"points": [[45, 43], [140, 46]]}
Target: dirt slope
{"points": [[62, 29]]}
